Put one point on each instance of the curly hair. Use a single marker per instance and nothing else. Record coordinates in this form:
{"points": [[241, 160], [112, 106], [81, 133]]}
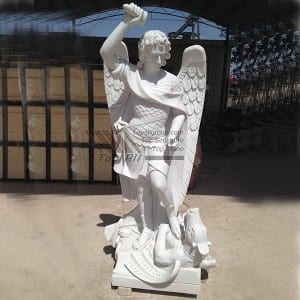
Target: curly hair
{"points": [[152, 39]]}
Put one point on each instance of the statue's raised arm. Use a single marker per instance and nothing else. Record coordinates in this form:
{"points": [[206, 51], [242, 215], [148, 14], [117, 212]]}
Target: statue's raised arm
{"points": [[133, 15]]}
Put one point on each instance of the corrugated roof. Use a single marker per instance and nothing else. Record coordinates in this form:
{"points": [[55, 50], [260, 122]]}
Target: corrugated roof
{"points": [[226, 13]]}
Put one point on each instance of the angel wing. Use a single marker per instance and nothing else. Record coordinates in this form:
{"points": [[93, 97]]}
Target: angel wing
{"points": [[141, 266], [117, 96], [115, 88], [192, 76]]}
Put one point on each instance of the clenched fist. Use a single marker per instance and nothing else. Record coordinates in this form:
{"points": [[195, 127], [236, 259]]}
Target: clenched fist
{"points": [[134, 14]]}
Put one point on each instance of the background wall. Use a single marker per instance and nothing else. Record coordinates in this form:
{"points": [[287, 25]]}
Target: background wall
{"points": [[54, 122]]}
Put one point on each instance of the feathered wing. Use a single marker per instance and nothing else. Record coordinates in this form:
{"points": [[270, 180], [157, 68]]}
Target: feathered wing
{"points": [[192, 76], [115, 88], [117, 96]]}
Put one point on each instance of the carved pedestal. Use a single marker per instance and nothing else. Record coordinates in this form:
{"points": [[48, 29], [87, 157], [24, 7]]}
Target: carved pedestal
{"points": [[187, 281], [136, 269], [162, 262]]}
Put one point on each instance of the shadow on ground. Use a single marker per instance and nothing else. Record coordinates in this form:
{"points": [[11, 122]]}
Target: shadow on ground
{"points": [[16, 187], [107, 219], [250, 177]]}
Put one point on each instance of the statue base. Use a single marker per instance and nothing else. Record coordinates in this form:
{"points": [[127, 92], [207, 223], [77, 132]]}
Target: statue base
{"points": [[141, 268], [187, 281]]}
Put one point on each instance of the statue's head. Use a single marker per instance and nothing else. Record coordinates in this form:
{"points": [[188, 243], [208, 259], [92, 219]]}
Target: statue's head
{"points": [[154, 42], [195, 231]]}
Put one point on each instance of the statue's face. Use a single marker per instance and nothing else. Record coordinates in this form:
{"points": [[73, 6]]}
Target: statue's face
{"points": [[155, 58]]}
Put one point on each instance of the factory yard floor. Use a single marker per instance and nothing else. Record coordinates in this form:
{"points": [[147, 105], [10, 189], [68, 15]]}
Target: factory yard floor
{"points": [[52, 245]]}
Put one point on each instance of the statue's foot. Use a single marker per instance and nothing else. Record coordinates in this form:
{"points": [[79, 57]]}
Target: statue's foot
{"points": [[208, 262], [144, 239], [175, 226]]}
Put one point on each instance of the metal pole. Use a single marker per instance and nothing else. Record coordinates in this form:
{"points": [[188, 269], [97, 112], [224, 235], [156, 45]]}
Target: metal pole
{"points": [[73, 24], [224, 89], [298, 130]]}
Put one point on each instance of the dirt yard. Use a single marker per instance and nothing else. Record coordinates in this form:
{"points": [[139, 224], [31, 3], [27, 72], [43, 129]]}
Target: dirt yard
{"points": [[52, 245]]}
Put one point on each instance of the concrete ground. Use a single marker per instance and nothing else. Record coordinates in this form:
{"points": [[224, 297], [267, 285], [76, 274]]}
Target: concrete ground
{"points": [[52, 245]]}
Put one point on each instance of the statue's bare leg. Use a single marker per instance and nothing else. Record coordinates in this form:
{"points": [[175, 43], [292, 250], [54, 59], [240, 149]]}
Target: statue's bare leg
{"points": [[159, 184], [145, 205]]}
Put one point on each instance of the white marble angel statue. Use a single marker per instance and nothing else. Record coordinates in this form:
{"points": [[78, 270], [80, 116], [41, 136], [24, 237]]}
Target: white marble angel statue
{"points": [[156, 117]]}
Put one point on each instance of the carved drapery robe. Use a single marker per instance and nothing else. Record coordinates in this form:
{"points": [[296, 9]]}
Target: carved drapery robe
{"points": [[148, 114]]}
